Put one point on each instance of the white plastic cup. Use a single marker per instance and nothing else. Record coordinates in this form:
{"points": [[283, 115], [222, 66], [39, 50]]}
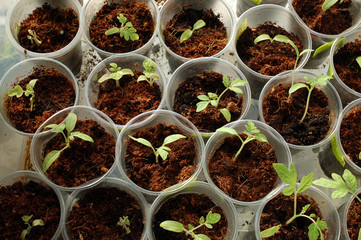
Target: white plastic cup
{"points": [[244, 5]]}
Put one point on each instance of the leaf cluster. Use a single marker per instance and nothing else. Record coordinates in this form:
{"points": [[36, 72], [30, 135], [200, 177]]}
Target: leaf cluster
{"points": [[126, 30], [36, 222], [329, 3], [33, 37], [149, 73], [18, 92], [117, 74], [124, 223], [189, 32]]}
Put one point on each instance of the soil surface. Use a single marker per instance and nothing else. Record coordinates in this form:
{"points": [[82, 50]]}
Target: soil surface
{"points": [[265, 57], [96, 214], [208, 120], [248, 178], [284, 114], [84, 160], [280, 209], [346, 66], [334, 21], [207, 41], [140, 160], [132, 98], [52, 92], [354, 219], [54, 27], [188, 209], [26, 199], [136, 12]]}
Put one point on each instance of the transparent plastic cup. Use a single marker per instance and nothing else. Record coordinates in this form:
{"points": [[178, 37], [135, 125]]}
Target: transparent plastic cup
{"points": [[198, 188], [275, 140], [27, 176], [343, 216], [198, 66], [128, 60], [23, 69], [149, 119], [173, 7], [70, 55], [42, 136], [107, 183], [92, 7], [244, 5], [281, 17]]}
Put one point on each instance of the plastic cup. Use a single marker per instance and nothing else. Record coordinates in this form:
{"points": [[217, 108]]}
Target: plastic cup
{"points": [[343, 215], [244, 5]]}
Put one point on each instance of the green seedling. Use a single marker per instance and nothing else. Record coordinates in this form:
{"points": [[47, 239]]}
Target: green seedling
{"points": [[214, 99], [163, 150], [289, 176], [252, 133], [117, 74], [69, 126], [329, 3], [256, 1], [36, 222], [174, 226], [189, 32], [149, 73], [124, 223], [33, 37], [18, 92], [126, 30], [311, 84], [358, 60], [328, 45]]}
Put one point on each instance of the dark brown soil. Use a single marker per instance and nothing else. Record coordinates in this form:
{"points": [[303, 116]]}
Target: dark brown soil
{"points": [[96, 214], [346, 66], [251, 176], [188, 209], [132, 98], [53, 92], [204, 42], [84, 160], [141, 164], [334, 21], [280, 209], [136, 12], [265, 57], [354, 219], [28, 199], [54, 27], [284, 115], [208, 120]]}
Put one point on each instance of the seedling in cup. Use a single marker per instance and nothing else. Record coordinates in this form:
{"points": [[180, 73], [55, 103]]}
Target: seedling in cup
{"points": [[189, 32], [124, 223], [329, 3], [36, 222], [149, 74], [33, 37], [126, 30], [358, 60], [116, 75], [18, 92]]}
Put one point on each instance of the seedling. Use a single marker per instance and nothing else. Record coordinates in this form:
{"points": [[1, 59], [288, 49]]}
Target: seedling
{"points": [[358, 60], [18, 92], [329, 3], [328, 45], [117, 73], [189, 32], [124, 223], [174, 226], [33, 37], [290, 177], [323, 80], [252, 133], [256, 1], [214, 99], [36, 222], [126, 30], [149, 73], [163, 150], [69, 126]]}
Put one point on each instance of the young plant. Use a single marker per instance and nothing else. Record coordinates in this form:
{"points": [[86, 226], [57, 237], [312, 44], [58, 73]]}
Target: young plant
{"points": [[329, 3], [18, 92], [36, 222], [189, 32], [163, 150], [69, 126], [252, 133], [149, 73], [311, 84], [117, 73], [124, 223], [214, 99], [290, 177], [126, 30], [33, 37], [328, 45], [358, 60], [256, 1], [174, 226]]}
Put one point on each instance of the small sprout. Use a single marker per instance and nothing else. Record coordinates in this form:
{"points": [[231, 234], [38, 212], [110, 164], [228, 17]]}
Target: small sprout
{"points": [[189, 32], [323, 80], [163, 150], [174, 226], [33, 37], [124, 223], [117, 73], [36, 222], [256, 1], [214, 99], [149, 72], [358, 60], [328, 45], [252, 133], [18, 92], [126, 30], [329, 3], [69, 126]]}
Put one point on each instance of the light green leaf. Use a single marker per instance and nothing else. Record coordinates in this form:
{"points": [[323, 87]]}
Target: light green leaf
{"points": [[70, 122], [306, 182], [213, 218], [341, 41], [339, 193], [327, 4], [261, 137], [201, 106], [198, 25], [32, 83], [149, 65], [226, 82], [242, 28], [313, 232], [250, 127], [142, 141], [324, 182], [38, 222], [212, 95], [336, 151], [82, 136], [201, 237], [308, 79], [322, 48], [55, 128], [201, 220], [16, 91], [329, 72], [281, 38], [287, 176], [312, 215], [323, 80], [358, 60], [23, 234], [203, 97], [296, 86], [238, 83], [288, 191], [270, 231], [172, 138], [50, 158], [214, 103], [262, 37], [226, 114], [305, 208], [142, 78], [321, 224], [208, 225], [257, 1], [350, 179], [127, 71], [359, 235], [172, 226], [122, 19], [163, 153], [26, 218], [134, 36], [236, 90], [186, 35], [105, 77], [227, 130], [306, 51], [112, 31], [190, 227]]}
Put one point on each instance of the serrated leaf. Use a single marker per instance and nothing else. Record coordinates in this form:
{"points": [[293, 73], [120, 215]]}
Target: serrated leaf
{"points": [[261, 137], [186, 35], [70, 122], [236, 90], [38, 222], [112, 31], [321, 224], [134, 36], [122, 19], [142, 141], [227, 130], [172, 138], [270, 231], [199, 24], [50, 158], [287, 176], [339, 193], [250, 127], [296, 86], [213, 218], [201, 106], [323, 79], [327, 4], [313, 232], [358, 60], [288, 191], [149, 65], [201, 237], [226, 81], [16, 91], [262, 37], [308, 79], [172, 226], [350, 180], [82, 136], [306, 182], [336, 151], [238, 83], [226, 114]]}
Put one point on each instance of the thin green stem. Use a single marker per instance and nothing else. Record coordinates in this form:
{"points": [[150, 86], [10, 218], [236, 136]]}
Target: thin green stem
{"points": [[219, 98], [307, 103], [355, 196]]}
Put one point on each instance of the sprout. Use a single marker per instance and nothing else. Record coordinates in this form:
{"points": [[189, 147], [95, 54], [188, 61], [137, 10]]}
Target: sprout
{"points": [[33, 37], [18, 92], [124, 223], [117, 73], [126, 30], [329, 3], [149, 72], [189, 32], [36, 222]]}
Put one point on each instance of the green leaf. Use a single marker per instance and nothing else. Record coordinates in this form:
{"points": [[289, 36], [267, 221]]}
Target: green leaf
{"points": [[214, 103], [201, 237], [32, 83], [306, 51], [105, 77], [250, 127], [23, 234], [122, 19], [287, 176], [306, 182], [350, 180], [112, 31], [322, 48], [149, 65], [324, 182], [358, 60], [70, 122], [213, 218], [201, 220], [212, 95], [226, 114], [198, 25], [55, 128], [190, 227], [16, 91], [186, 35], [305, 208], [262, 37], [203, 97], [201, 106], [339, 193], [288, 191], [359, 235], [172, 226], [134, 36], [313, 232], [82, 136], [226, 82], [281, 38], [26, 218], [336, 151], [270, 231], [242, 28], [208, 225], [50, 158], [261, 137], [256, 1], [321, 224], [142, 141], [323, 80], [236, 90], [172, 138], [327, 4], [296, 86], [38, 222], [163, 153], [127, 71], [228, 130], [238, 83]]}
